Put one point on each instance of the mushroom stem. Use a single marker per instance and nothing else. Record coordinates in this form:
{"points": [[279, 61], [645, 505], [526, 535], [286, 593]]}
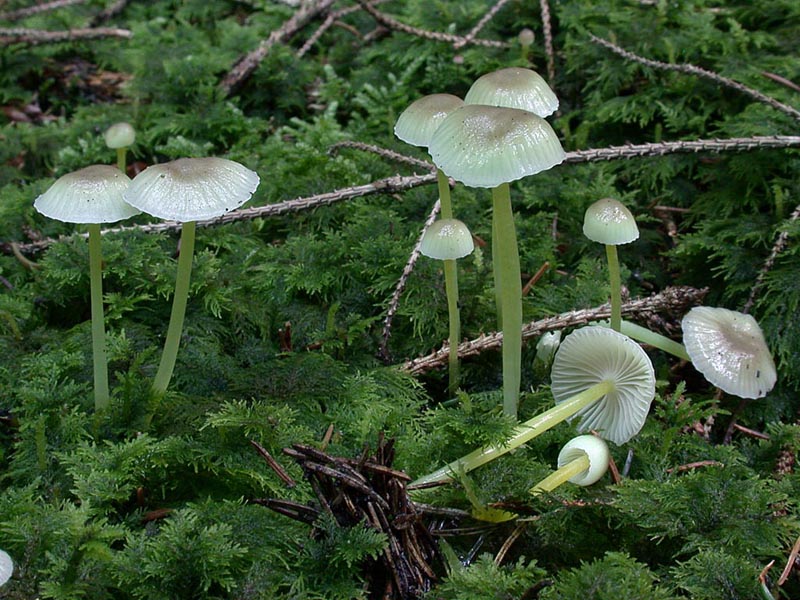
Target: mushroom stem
{"points": [[651, 338], [509, 285], [444, 195], [562, 475], [522, 434], [99, 360], [616, 286], [451, 286], [170, 354], [121, 156]]}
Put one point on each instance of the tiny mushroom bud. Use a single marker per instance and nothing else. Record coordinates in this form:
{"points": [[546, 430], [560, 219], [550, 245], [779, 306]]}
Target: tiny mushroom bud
{"points": [[526, 37], [729, 349], [583, 461], [120, 135]]}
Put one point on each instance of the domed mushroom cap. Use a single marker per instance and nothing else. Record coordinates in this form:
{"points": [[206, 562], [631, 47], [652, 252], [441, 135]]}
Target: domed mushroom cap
{"points": [[447, 239], [593, 354], [484, 146], [729, 349], [514, 88], [120, 135], [596, 451], [417, 123], [6, 567], [90, 195], [192, 189], [609, 222]]}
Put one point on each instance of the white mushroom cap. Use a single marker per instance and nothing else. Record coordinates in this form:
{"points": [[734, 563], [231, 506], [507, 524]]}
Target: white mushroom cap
{"points": [[609, 222], [417, 123], [729, 349], [6, 567], [597, 452], [192, 189], [484, 146], [447, 239], [590, 355], [514, 87], [91, 195], [120, 135]]}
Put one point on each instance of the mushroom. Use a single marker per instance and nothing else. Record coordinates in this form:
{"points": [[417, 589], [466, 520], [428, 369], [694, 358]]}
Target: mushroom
{"points": [[729, 349], [583, 461], [609, 222], [448, 240], [6, 567], [188, 190], [119, 137], [91, 196], [488, 146], [514, 87], [600, 376]]}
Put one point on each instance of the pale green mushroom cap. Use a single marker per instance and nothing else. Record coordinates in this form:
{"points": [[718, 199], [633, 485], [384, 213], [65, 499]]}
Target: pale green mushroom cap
{"points": [[590, 355], [447, 239], [597, 452], [90, 195], [120, 135], [417, 123], [192, 189], [6, 567], [729, 349], [484, 146], [514, 87], [609, 222]]}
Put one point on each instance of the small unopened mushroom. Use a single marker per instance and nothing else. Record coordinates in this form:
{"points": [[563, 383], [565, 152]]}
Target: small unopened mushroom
{"points": [[188, 190], [583, 461], [448, 240], [120, 137], [6, 567], [729, 349], [91, 196], [609, 222]]}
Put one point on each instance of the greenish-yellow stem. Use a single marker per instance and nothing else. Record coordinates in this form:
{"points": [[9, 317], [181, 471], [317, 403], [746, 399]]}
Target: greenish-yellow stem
{"points": [[451, 287], [445, 202], [651, 338], [616, 286], [99, 360], [562, 475], [171, 344], [509, 284], [522, 434], [121, 154]]}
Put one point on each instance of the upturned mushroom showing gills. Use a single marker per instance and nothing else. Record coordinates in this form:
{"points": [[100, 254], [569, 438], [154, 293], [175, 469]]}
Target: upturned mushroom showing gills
{"points": [[448, 240], [729, 349], [188, 190], [91, 196], [599, 376], [583, 461], [489, 146], [609, 222]]}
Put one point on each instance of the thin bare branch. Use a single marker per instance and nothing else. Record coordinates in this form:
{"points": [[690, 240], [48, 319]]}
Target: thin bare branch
{"points": [[547, 26], [671, 299], [29, 11], [384, 153], [326, 24], [782, 80], [34, 37], [700, 72], [470, 37], [109, 12]]}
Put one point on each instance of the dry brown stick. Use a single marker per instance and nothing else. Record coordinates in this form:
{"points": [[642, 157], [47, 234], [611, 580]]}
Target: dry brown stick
{"points": [[470, 37], [671, 299], [384, 153], [248, 63], [109, 12], [394, 303], [273, 464], [695, 70], [34, 37], [29, 11], [391, 23], [782, 80], [326, 24], [790, 563], [547, 26]]}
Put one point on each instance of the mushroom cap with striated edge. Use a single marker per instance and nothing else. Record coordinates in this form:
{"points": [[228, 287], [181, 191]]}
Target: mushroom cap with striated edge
{"points": [[729, 349], [447, 239], [422, 117], [609, 222], [484, 146], [597, 452], [514, 87], [120, 135], [93, 194], [593, 354], [192, 189]]}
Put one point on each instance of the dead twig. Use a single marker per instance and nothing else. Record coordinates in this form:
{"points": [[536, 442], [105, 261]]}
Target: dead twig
{"points": [[34, 37], [470, 37], [36, 9], [695, 465], [790, 563], [548, 42], [383, 153], [109, 12]]}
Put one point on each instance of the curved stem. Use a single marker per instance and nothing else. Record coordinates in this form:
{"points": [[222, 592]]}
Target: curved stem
{"points": [[509, 283], [170, 354], [451, 287], [616, 286], [444, 195], [651, 338], [523, 433], [99, 360], [562, 475], [121, 152]]}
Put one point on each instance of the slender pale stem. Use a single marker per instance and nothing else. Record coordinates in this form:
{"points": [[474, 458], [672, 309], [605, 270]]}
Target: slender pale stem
{"points": [[522, 434], [509, 283], [451, 286], [562, 475], [651, 338], [121, 153], [99, 360], [444, 195], [616, 286], [171, 344]]}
